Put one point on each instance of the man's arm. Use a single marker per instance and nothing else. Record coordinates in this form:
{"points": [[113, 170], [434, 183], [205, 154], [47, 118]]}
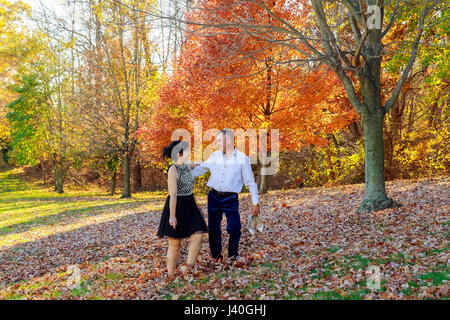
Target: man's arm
{"points": [[249, 181]]}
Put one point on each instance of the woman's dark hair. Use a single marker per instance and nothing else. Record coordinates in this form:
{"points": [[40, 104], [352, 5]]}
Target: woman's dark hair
{"points": [[174, 149]]}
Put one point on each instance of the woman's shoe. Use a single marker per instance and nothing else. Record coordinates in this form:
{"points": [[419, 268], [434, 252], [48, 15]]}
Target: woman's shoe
{"points": [[169, 279], [184, 269]]}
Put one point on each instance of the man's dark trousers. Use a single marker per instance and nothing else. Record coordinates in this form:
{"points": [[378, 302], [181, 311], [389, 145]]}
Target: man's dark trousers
{"points": [[216, 207]]}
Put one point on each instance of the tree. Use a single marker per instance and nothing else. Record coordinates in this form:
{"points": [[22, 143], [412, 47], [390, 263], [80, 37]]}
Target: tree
{"points": [[39, 117], [123, 63], [211, 82], [347, 36], [416, 126], [14, 46]]}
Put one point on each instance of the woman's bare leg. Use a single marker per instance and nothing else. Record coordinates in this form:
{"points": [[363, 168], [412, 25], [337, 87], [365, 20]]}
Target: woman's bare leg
{"points": [[179, 251], [172, 256], [194, 248]]}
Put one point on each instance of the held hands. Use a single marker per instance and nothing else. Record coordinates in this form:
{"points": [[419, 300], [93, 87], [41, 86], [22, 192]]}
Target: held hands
{"points": [[173, 222], [193, 166]]}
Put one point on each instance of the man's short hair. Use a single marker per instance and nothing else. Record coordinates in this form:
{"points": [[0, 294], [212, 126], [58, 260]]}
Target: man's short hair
{"points": [[227, 132]]}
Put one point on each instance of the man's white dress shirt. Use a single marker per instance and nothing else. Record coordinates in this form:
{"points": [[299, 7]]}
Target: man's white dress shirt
{"points": [[228, 174]]}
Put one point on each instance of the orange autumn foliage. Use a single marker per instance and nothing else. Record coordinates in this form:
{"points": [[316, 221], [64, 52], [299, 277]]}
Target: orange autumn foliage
{"points": [[230, 79]]}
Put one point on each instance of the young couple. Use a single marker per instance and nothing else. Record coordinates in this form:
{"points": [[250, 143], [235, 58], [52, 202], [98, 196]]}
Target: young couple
{"points": [[181, 218]]}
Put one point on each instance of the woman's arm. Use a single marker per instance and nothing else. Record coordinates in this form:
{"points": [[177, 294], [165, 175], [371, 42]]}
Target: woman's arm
{"points": [[201, 169], [172, 184]]}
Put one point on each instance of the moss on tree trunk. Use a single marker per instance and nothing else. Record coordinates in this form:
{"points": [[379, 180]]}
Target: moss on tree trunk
{"points": [[375, 194], [126, 177]]}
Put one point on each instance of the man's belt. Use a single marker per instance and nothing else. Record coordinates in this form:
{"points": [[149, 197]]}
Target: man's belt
{"points": [[223, 194]]}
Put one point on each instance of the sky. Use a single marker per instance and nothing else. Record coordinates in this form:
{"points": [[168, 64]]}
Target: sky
{"points": [[36, 3], [57, 4]]}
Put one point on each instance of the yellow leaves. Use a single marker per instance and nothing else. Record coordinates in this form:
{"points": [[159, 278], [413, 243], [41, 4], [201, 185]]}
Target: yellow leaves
{"points": [[69, 44]]}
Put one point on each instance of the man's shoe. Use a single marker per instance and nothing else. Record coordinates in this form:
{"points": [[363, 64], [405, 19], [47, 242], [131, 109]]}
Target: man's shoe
{"points": [[237, 261]]}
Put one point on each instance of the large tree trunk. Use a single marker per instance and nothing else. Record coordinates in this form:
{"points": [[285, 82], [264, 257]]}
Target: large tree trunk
{"points": [[137, 174], [355, 130], [55, 173], [113, 182], [263, 185], [126, 176], [43, 170], [58, 169], [6, 157], [59, 182], [375, 196]]}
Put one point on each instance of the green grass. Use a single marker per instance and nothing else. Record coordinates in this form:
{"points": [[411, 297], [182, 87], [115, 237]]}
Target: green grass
{"points": [[52, 295], [357, 295], [327, 295], [334, 249], [436, 277], [439, 250], [83, 288], [26, 206], [114, 276], [250, 287], [221, 275], [16, 296]]}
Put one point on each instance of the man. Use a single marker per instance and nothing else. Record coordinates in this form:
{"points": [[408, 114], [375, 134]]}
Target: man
{"points": [[230, 169]]}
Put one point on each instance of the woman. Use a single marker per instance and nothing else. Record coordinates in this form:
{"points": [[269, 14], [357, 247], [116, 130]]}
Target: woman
{"points": [[181, 218]]}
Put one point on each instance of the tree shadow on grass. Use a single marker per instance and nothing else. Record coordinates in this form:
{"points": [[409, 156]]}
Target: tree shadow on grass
{"points": [[129, 235], [68, 216], [69, 198], [11, 183]]}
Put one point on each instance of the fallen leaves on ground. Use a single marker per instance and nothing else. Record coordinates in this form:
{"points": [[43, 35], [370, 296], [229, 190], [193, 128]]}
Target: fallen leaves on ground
{"points": [[315, 246]]}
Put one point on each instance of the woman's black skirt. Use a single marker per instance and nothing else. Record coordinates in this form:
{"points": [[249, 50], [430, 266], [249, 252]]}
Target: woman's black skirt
{"points": [[189, 219]]}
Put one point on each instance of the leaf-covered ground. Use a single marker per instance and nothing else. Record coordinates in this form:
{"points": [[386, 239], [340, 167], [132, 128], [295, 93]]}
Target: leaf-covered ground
{"points": [[315, 246]]}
